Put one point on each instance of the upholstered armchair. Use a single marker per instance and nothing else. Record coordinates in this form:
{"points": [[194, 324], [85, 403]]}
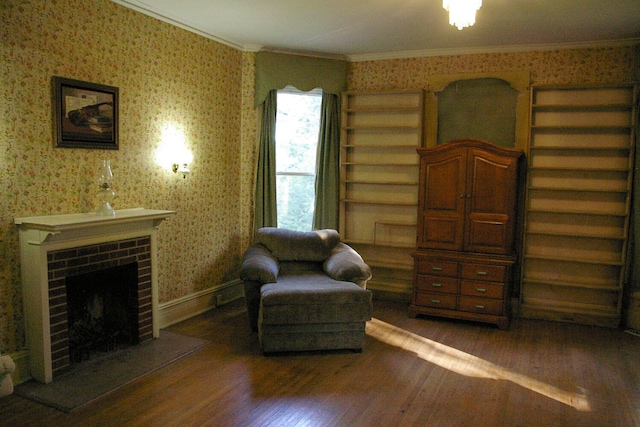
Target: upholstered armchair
{"points": [[305, 290]]}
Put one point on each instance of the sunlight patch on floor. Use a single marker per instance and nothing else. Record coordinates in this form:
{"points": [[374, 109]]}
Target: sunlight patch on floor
{"points": [[467, 364]]}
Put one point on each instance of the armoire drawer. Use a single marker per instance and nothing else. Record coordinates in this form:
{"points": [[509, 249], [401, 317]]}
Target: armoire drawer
{"points": [[482, 289], [480, 305], [435, 300], [448, 285], [488, 272], [437, 267]]}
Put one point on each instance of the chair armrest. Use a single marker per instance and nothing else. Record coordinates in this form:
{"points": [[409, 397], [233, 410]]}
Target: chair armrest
{"points": [[259, 265], [347, 265]]}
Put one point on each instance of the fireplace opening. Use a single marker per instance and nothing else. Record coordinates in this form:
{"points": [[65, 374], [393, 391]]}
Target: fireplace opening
{"points": [[102, 311]]}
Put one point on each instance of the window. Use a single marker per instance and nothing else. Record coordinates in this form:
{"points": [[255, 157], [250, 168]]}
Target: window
{"points": [[297, 127]]}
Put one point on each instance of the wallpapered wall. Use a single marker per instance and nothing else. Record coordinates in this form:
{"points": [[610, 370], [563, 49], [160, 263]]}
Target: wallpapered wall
{"points": [[165, 75], [168, 75], [604, 65]]}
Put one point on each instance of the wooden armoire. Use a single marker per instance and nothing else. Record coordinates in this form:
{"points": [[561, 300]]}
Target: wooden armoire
{"points": [[465, 250]]}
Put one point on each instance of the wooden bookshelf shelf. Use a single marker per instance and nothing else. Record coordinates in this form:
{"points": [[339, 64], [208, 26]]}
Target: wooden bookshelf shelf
{"points": [[578, 203], [379, 171]]}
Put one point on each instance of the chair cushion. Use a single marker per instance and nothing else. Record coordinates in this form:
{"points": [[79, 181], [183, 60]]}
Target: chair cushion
{"points": [[292, 245], [313, 298]]}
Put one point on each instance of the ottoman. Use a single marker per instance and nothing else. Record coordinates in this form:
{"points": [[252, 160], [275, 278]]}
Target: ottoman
{"points": [[312, 312]]}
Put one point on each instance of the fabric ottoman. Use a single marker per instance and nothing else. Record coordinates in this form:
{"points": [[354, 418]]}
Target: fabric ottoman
{"points": [[311, 311]]}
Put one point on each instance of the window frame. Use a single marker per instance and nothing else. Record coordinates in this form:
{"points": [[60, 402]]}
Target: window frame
{"points": [[315, 93]]}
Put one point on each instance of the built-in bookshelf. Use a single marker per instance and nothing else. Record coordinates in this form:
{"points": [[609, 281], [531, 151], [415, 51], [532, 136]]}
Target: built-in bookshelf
{"points": [[578, 203], [379, 172]]}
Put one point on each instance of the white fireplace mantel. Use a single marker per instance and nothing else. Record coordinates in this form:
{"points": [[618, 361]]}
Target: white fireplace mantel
{"points": [[51, 228], [42, 234]]}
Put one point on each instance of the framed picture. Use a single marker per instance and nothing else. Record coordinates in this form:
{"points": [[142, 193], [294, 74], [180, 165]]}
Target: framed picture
{"points": [[86, 114]]}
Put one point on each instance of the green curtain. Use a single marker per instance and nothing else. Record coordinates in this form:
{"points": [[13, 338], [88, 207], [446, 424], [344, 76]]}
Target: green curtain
{"points": [[325, 214], [278, 70], [266, 214]]}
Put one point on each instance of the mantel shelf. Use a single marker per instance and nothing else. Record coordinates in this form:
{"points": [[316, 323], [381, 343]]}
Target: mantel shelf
{"points": [[40, 229], [59, 223]]}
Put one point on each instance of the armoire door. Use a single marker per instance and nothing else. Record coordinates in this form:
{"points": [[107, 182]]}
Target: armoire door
{"points": [[442, 204], [491, 198]]}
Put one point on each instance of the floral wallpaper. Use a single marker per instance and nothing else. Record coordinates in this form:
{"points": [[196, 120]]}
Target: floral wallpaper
{"points": [[167, 75], [571, 66]]}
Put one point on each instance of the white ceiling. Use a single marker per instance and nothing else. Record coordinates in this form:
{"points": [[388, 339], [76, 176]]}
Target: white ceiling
{"points": [[370, 29]]}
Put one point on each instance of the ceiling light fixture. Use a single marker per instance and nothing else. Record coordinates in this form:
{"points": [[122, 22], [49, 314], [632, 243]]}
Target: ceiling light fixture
{"points": [[462, 13]]}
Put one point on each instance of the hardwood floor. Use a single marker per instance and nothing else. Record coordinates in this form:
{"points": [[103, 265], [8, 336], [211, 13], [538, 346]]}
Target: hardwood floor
{"points": [[412, 372]]}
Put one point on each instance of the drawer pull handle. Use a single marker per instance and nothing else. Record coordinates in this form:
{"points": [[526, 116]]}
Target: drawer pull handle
{"points": [[480, 307], [481, 290], [436, 285], [481, 273], [436, 268], [435, 301]]}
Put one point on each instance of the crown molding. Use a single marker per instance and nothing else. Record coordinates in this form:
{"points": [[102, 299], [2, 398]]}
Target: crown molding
{"points": [[305, 53], [141, 7]]}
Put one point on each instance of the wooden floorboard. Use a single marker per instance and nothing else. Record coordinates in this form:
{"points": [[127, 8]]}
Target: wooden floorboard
{"points": [[412, 372]]}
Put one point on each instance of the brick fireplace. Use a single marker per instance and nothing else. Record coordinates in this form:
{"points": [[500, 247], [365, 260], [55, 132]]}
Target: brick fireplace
{"points": [[72, 262], [56, 247]]}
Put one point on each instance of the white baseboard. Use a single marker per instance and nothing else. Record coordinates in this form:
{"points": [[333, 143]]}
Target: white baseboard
{"points": [[183, 308], [22, 372]]}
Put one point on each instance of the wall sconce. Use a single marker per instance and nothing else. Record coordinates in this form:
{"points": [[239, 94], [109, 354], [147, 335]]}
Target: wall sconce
{"points": [[184, 170], [172, 152]]}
